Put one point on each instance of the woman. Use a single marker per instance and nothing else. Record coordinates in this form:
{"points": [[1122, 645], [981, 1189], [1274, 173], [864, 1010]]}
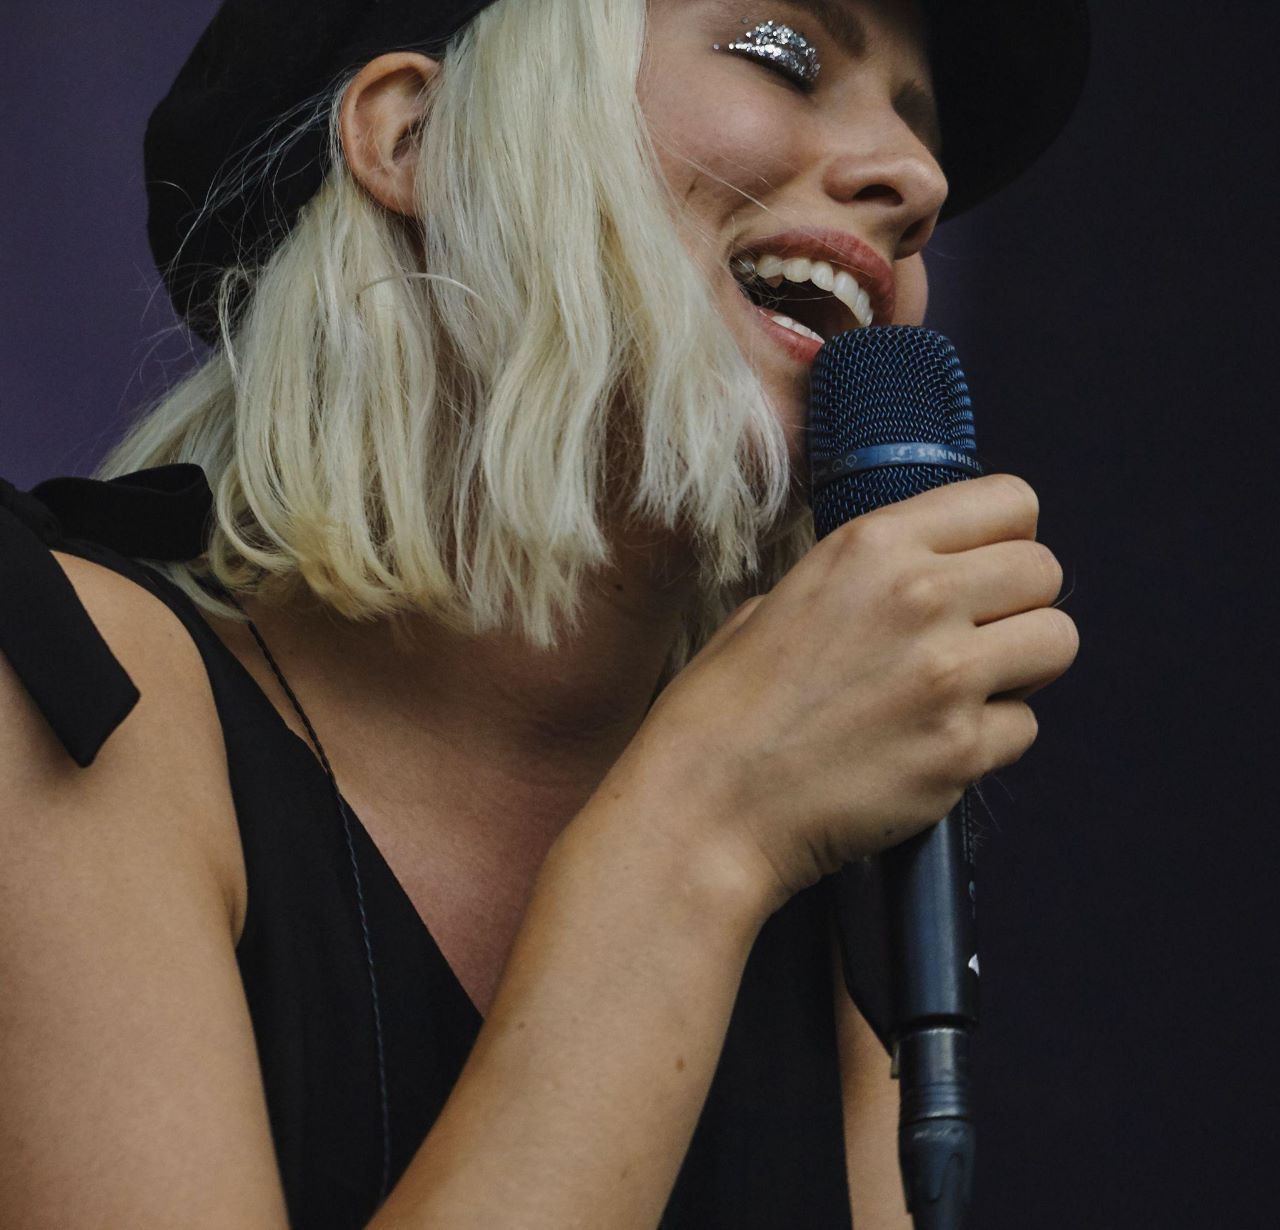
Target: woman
{"points": [[435, 830]]}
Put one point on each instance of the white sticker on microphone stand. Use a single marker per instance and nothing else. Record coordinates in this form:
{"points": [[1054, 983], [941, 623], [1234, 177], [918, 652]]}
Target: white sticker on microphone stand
{"points": [[973, 963]]}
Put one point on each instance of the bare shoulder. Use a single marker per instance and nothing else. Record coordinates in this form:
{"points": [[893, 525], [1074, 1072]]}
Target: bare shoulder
{"points": [[130, 1089], [142, 632], [162, 775]]}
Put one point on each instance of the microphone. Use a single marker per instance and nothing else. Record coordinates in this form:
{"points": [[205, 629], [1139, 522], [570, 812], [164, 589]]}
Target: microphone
{"points": [[890, 417]]}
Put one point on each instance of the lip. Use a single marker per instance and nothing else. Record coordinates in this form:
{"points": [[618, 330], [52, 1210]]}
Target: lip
{"points": [[803, 349], [842, 251]]}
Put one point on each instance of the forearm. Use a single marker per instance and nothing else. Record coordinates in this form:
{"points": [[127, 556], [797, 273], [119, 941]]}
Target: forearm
{"points": [[875, 1178], [871, 1103], [580, 1098]]}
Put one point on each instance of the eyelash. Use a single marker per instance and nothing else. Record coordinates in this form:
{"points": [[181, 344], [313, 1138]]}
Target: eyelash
{"points": [[780, 69]]}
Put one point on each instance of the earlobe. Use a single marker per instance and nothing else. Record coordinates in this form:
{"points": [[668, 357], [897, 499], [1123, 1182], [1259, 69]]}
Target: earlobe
{"points": [[381, 112]]}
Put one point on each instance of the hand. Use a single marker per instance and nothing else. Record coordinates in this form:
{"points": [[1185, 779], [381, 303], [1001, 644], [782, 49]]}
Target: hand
{"points": [[850, 707]]}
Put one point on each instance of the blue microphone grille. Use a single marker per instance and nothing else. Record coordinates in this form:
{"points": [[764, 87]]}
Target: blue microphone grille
{"points": [[880, 386]]}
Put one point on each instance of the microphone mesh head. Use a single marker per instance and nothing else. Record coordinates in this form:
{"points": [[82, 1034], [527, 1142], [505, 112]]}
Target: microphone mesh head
{"points": [[884, 385]]}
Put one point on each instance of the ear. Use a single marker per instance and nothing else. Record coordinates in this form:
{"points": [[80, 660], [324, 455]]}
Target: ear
{"points": [[380, 112]]}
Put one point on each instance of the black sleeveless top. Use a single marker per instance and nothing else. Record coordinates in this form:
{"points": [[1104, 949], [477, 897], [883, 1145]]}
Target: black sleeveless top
{"points": [[361, 1026]]}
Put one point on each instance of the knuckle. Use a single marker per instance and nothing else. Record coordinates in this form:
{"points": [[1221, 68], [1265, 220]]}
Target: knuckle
{"points": [[942, 675], [921, 595], [872, 534], [959, 746]]}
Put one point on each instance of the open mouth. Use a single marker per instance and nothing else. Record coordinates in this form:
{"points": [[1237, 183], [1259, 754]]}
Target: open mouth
{"points": [[820, 313], [823, 299], [797, 339]]}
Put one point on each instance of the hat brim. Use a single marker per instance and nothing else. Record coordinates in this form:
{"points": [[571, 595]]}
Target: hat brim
{"points": [[1008, 76]]}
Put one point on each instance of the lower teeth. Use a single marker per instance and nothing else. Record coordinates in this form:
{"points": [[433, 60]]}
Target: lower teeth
{"points": [[794, 325]]}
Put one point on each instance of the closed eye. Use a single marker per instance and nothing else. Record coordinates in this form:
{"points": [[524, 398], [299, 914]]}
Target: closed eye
{"points": [[780, 70], [794, 57]]}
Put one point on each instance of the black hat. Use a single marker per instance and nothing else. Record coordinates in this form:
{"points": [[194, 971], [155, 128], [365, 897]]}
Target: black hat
{"points": [[1007, 74]]}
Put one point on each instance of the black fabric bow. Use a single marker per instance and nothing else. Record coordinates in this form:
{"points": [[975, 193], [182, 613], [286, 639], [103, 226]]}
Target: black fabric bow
{"points": [[52, 644]]}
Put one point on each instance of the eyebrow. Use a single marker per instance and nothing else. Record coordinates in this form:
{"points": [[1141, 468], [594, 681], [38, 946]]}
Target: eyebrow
{"points": [[843, 24], [914, 102]]}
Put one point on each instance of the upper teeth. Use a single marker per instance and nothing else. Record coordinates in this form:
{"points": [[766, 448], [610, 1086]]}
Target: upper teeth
{"points": [[772, 269]]}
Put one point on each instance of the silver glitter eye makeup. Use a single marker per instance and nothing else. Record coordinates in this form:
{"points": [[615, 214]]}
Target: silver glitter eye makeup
{"points": [[783, 48]]}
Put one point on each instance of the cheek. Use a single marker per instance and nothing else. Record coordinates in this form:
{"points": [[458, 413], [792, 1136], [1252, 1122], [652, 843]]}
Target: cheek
{"points": [[913, 291], [699, 114], [750, 144]]}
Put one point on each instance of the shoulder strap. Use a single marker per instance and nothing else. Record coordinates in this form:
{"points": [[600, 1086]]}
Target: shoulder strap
{"points": [[56, 651]]}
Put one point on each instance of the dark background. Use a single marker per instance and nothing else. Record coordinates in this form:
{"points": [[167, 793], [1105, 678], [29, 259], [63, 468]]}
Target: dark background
{"points": [[1113, 311]]}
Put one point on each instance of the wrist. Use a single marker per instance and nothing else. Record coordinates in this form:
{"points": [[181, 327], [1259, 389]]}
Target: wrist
{"points": [[666, 826]]}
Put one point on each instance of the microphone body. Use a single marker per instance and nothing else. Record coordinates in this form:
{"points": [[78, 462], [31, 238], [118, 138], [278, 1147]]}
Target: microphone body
{"points": [[890, 417]]}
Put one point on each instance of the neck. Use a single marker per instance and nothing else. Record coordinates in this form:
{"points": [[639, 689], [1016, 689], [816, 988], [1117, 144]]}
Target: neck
{"points": [[507, 724]]}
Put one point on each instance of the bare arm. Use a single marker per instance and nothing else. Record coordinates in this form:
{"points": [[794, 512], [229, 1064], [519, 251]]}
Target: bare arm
{"points": [[581, 1096], [129, 1089], [129, 1085], [871, 1100]]}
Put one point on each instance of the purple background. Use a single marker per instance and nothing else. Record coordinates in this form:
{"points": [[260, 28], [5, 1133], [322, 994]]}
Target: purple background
{"points": [[84, 338], [1113, 312]]}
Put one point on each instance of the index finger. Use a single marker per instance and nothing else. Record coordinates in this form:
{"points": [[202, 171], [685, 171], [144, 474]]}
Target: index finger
{"points": [[969, 514]]}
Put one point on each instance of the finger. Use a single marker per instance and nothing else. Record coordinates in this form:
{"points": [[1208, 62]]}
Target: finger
{"points": [[1024, 653], [1009, 728], [1005, 578], [973, 513]]}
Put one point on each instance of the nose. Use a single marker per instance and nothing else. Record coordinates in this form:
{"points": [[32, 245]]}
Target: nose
{"points": [[893, 181]]}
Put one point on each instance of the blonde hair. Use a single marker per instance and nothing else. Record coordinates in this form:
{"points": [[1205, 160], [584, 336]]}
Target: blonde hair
{"points": [[429, 418]]}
